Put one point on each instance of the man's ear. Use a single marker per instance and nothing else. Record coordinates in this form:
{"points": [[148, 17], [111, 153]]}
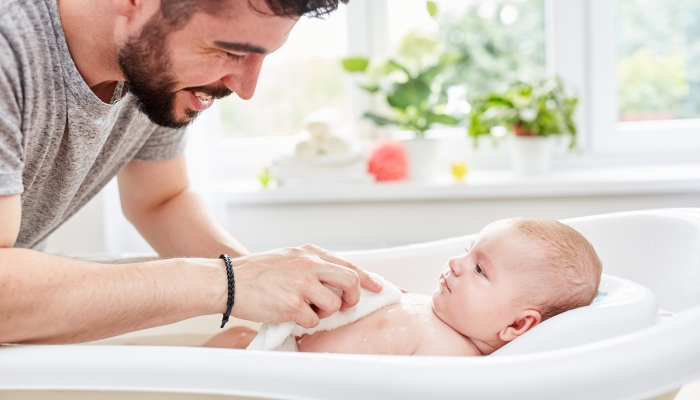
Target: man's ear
{"points": [[126, 8], [132, 15], [523, 323]]}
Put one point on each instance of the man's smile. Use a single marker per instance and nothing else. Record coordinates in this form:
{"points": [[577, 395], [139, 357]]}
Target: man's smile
{"points": [[199, 101]]}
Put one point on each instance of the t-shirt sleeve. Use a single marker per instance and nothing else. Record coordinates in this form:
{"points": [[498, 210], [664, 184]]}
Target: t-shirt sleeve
{"points": [[11, 137], [163, 144]]}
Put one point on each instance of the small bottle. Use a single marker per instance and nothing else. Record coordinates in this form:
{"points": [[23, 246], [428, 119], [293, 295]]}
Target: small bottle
{"points": [[459, 170]]}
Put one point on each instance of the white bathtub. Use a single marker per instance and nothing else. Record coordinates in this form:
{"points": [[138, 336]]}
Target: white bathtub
{"points": [[658, 249]]}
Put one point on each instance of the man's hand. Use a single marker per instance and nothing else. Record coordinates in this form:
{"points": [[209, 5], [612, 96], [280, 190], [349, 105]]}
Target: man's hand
{"points": [[288, 285]]}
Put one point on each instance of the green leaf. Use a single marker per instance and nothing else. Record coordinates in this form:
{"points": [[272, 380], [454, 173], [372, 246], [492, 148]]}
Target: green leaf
{"points": [[370, 89], [441, 119], [379, 120], [430, 74], [432, 8], [355, 64], [412, 93], [393, 65]]}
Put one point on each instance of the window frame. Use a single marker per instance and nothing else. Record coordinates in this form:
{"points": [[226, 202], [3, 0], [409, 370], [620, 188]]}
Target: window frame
{"points": [[607, 134]]}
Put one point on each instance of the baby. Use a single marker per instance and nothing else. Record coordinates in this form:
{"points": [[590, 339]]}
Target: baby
{"points": [[516, 274]]}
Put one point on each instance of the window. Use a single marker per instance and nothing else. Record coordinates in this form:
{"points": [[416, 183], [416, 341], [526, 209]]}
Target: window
{"points": [[635, 65], [658, 67], [643, 77], [498, 41], [302, 76]]}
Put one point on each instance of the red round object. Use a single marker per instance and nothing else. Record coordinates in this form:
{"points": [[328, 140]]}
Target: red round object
{"points": [[387, 162]]}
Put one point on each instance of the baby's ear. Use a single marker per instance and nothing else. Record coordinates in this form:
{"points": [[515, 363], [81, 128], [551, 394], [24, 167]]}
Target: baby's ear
{"points": [[523, 323]]}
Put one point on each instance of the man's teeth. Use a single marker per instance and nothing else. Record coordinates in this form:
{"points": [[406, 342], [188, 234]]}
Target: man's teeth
{"points": [[202, 96]]}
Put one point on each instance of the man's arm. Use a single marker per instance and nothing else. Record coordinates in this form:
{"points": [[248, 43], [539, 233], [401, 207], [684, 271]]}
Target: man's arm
{"points": [[156, 198], [50, 299], [10, 219]]}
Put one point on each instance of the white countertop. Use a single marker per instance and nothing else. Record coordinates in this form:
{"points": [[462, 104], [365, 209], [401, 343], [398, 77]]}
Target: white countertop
{"points": [[484, 184]]}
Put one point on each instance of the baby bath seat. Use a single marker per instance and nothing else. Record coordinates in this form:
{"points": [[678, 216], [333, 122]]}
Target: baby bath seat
{"points": [[619, 348]]}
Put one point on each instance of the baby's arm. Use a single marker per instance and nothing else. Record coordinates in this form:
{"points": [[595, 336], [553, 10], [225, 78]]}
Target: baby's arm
{"points": [[238, 337]]}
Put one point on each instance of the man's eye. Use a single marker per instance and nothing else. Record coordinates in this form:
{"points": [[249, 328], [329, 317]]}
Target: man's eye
{"points": [[235, 57], [479, 270]]}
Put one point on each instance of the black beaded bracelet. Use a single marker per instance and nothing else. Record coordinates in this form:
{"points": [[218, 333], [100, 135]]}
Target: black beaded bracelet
{"points": [[231, 288]]}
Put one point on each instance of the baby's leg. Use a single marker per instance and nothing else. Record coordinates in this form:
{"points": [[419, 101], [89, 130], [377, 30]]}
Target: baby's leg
{"points": [[238, 337]]}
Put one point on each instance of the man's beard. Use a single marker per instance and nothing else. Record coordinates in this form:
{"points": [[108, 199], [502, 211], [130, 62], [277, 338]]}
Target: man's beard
{"points": [[146, 64]]}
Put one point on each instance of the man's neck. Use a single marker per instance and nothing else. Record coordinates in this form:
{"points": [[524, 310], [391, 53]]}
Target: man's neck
{"points": [[89, 29]]}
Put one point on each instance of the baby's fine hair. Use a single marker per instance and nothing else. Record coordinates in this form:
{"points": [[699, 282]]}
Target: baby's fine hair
{"points": [[573, 265]]}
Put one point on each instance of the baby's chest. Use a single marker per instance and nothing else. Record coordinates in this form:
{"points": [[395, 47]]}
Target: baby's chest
{"points": [[383, 332]]}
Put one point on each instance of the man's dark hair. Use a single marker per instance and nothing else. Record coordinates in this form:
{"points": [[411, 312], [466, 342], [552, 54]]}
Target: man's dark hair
{"points": [[177, 12]]}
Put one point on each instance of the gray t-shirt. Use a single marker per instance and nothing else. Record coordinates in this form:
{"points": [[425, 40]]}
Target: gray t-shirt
{"points": [[59, 143]]}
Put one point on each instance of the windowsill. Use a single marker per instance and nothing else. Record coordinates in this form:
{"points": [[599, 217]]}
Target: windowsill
{"points": [[484, 184]]}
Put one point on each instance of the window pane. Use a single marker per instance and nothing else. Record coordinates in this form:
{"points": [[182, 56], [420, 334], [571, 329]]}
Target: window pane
{"points": [[302, 76], [658, 68], [500, 41]]}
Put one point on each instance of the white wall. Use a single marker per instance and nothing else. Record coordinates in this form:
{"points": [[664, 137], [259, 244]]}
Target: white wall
{"points": [[83, 233], [355, 226], [363, 225]]}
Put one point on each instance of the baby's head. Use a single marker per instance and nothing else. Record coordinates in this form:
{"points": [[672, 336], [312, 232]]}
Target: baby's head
{"points": [[517, 273]]}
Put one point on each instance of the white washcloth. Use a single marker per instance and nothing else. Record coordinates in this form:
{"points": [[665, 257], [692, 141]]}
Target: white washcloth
{"points": [[281, 337]]}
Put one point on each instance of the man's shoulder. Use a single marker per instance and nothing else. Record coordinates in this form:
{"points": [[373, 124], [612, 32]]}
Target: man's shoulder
{"points": [[11, 9], [5, 6], [23, 25]]}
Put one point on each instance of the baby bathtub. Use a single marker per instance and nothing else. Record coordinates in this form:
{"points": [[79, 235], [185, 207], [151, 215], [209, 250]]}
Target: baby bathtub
{"points": [[659, 249]]}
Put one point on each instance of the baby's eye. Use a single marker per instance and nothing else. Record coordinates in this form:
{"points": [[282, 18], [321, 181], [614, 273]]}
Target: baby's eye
{"points": [[479, 270]]}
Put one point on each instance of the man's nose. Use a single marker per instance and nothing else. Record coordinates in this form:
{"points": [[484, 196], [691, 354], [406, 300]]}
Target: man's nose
{"points": [[245, 79]]}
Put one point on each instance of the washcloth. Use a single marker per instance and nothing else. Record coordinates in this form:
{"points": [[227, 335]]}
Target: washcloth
{"points": [[281, 337]]}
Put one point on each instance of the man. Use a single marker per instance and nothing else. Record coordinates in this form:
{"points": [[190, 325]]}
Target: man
{"points": [[94, 88]]}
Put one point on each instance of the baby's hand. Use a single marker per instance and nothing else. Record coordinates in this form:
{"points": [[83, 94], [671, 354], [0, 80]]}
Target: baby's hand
{"points": [[403, 290]]}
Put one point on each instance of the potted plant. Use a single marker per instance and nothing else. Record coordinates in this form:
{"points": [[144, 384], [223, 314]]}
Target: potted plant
{"points": [[411, 84], [534, 114]]}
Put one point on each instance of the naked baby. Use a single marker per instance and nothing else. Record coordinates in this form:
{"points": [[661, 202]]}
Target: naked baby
{"points": [[516, 274]]}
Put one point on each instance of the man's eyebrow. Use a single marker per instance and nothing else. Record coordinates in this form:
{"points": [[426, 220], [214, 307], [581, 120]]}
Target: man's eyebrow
{"points": [[242, 47]]}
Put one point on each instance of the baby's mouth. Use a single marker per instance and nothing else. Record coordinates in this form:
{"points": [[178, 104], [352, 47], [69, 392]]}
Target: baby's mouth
{"points": [[444, 285]]}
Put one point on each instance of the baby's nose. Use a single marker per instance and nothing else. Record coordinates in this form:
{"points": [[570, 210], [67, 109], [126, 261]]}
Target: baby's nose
{"points": [[451, 270]]}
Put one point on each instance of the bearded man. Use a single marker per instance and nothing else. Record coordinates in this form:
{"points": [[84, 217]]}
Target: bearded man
{"points": [[92, 89]]}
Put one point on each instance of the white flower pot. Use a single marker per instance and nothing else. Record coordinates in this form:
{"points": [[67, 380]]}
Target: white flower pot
{"points": [[422, 156], [531, 155]]}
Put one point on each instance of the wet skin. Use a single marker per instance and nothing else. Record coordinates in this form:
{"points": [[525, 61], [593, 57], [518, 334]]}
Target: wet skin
{"points": [[409, 327]]}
